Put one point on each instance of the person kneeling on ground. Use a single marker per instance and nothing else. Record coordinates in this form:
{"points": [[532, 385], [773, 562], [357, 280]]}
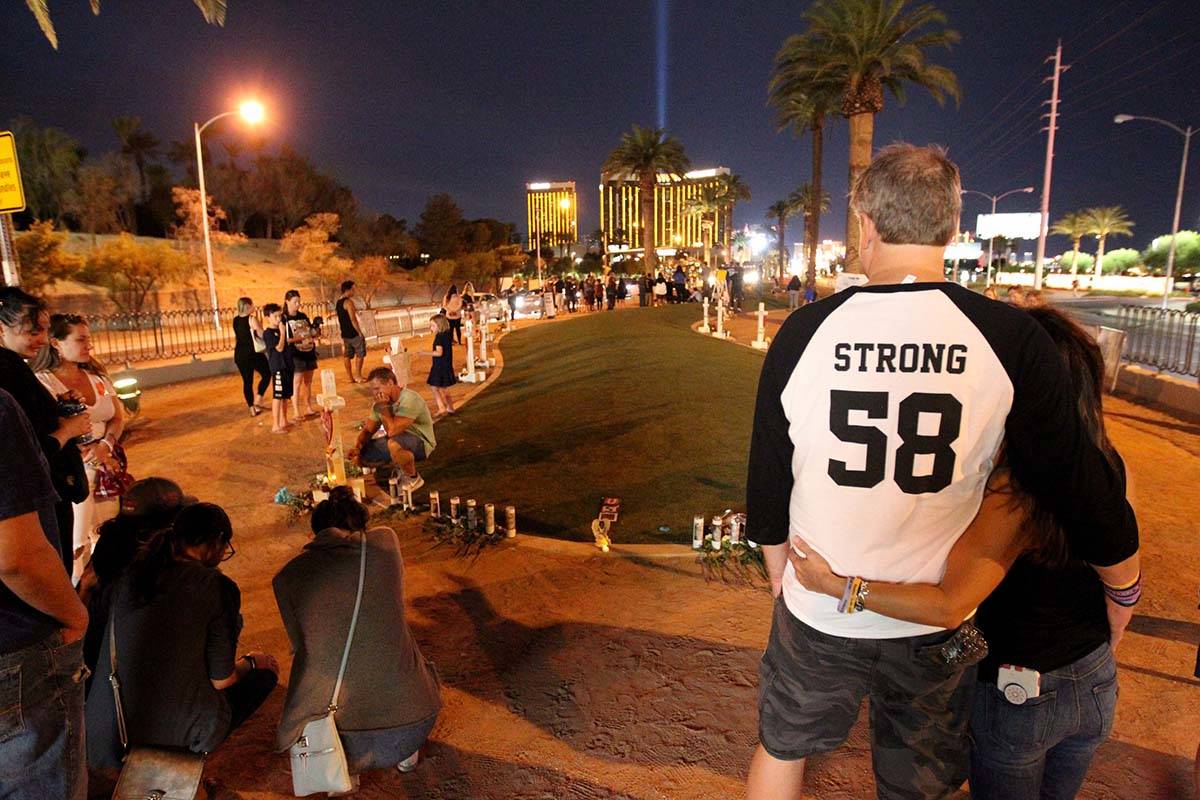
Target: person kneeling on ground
{"points": [[405, 419], [177, 619], [389, 698]]}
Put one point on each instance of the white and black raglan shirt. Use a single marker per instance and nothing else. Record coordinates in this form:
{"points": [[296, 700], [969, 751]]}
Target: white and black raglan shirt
{"points": [[881, 412]]}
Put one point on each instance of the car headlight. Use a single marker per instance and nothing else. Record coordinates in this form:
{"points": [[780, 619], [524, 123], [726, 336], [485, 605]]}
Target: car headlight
{"points": [[520, 302]]}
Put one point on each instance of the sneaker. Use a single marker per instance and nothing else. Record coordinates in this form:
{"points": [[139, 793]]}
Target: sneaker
{"points": [[410, 763], [413, 483]]}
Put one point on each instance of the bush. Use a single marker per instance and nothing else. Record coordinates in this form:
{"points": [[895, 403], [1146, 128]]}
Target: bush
{"points": [[1121, 260], [130, 271], [1085, 263], [1187, 253], [42, 259], [1193, 307]]}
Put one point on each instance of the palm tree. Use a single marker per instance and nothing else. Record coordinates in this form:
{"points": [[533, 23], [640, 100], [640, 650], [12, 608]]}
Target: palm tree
{"points": [[803, 102], [779, 211], [213, 11], [709, 201], [814, 203], [138, 144], [644, 153], [1105, 221], [733, 190], [1075, 225], [869, 46]]}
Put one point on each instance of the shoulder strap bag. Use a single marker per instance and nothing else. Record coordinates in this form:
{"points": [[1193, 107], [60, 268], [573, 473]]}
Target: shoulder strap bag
{"points": [[318, 759], [149, 773]]}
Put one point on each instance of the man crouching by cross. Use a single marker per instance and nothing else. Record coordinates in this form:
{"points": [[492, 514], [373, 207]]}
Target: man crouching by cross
{"points": [[404, 417]]}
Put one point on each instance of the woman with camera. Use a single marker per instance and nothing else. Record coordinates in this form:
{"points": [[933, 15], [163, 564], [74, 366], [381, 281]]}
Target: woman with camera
{"points": [[302, 336], [1051, 614], [389, 700], [57, 421], [65, 366]]}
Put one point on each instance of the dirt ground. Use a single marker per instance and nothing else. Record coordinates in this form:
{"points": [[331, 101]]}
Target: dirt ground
{"points": [[568, 673]]}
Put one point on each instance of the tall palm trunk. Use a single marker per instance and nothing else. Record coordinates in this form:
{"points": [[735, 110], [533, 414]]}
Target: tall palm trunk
{"points": [[1100, 257], [862, 132], [647, 188], [782, 246], [812, 218], [1074, 256]]}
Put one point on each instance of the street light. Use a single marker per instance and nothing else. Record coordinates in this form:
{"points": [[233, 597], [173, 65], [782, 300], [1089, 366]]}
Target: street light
{"points": [[1187, 141], [995, 198], [252, 112]]}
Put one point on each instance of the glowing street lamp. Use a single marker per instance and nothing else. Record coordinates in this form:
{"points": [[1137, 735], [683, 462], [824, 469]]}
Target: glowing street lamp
{"points": [[1187, 141], [995, 198], [252, 112]]}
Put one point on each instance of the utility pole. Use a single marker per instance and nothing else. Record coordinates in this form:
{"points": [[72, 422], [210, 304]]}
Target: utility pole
{"points": [[8, 252], [1049, 170]]}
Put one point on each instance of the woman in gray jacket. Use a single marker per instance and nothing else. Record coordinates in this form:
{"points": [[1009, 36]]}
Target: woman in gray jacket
{"points": [[389, 699]]}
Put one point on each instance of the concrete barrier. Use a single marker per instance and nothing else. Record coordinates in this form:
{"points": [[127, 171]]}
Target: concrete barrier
{"points": [[1177, 395]]}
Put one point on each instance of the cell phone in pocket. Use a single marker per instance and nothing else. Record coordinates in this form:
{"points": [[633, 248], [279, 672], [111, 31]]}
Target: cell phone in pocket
{"points": [[1018, 684]]}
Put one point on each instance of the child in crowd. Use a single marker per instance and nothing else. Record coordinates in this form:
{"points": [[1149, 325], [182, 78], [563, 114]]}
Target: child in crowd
{"points": [[280, 362], [441, 372]]}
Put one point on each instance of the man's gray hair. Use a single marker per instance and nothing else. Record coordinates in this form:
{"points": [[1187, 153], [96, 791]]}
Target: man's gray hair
{"points": [[912, 194]]}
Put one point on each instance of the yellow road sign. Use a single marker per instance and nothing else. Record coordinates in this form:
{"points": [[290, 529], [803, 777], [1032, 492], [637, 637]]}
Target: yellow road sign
{"points": [[12, 196]]}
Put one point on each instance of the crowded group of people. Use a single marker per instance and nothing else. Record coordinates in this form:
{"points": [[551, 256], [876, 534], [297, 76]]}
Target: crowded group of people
{"points": [[943, 519], [99, 572]]}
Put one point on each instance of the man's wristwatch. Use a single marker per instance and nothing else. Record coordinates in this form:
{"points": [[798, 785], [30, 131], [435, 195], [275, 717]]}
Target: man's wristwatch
{"points": [[250, 658]]}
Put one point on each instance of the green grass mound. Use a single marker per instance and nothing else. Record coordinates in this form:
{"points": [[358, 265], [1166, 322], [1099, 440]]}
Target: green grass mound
{"points": [[628, 404]]}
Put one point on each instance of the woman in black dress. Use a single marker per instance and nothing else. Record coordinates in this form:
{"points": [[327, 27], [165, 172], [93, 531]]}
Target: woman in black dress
{"points": [[249, 353], [441, 372]]}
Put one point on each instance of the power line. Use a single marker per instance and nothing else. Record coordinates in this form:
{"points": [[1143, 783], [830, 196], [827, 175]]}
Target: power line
{"points": [[980, 144], [1117, 68], [1094, 22], [1028, 127], [1108, 87], [1137, 21]]}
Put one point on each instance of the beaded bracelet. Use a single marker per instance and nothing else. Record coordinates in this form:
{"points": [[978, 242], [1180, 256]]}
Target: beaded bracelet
{"points": [[1125, 595]]}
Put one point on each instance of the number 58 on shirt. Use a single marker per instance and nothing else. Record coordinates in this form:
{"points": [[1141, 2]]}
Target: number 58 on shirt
{"points": [[912, 443]]}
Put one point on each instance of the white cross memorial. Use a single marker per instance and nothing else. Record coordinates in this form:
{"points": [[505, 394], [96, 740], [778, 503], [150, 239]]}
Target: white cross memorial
{"points": [[720, 333], [484, 361], [760, 341], [397, 358], [335, 455], [706, 328], [469, 373]]}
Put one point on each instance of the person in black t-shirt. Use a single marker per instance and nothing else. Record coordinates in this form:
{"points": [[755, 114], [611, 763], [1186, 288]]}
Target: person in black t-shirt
{"points": [[302, 337], [353, 342], [177, 620], [24, 330], [279, 359], [1040, 607], [41, 622]]}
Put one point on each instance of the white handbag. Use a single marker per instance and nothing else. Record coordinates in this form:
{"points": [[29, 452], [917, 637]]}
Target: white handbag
{"points": [[318, 758]]}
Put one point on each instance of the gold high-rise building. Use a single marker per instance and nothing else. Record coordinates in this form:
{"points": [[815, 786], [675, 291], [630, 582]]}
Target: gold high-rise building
{"points": [[675, 228], [552, 213]]}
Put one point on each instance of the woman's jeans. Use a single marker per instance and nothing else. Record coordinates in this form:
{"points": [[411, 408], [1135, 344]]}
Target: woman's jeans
{"points": [[41, 722], [1042, 750], [383, 749]]}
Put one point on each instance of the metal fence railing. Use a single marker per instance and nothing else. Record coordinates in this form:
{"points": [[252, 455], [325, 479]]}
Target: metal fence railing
{"points": [[1160, 338], [122, 339]]}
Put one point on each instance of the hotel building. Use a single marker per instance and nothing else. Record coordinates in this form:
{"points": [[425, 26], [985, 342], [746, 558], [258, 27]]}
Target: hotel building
{"points": [[552, 213], [674, 227]]}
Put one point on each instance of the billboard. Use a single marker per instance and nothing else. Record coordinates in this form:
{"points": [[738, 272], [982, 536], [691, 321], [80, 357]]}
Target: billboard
{"points": [[1010, 226], [963, 251]]}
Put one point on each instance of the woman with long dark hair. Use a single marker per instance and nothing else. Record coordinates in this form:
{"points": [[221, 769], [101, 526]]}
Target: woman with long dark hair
{"points": [[24, 323], [1040, 607], [250, 355], [65, 365], [176, 619], [389, 699]]}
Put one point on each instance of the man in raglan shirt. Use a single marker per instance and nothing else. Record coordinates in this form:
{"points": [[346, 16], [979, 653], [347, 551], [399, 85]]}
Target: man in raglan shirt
{"points": [[881, 412]]}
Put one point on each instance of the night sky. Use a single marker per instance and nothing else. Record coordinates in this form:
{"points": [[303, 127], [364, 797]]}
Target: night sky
{"points": [[401, 100]]}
